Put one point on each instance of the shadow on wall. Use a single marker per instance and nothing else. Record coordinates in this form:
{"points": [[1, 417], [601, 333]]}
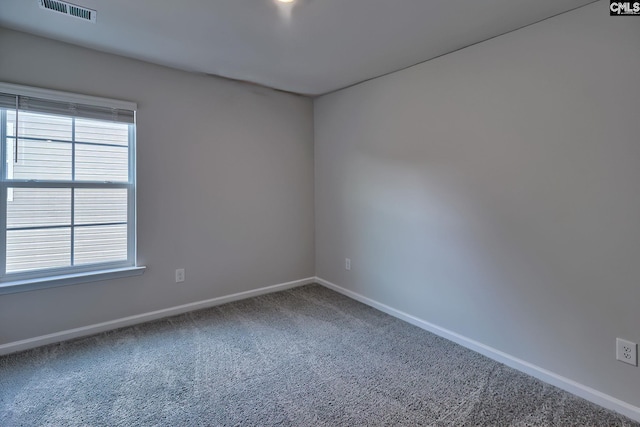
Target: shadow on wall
{"points": [[471, 240]]}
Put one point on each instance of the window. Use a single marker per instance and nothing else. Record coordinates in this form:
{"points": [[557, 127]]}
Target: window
{"points": [[67, 184]]}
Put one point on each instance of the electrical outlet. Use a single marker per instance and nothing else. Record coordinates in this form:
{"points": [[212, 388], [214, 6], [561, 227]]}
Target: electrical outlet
{"points": [[627, 351], [180, 275], [347, 263]]}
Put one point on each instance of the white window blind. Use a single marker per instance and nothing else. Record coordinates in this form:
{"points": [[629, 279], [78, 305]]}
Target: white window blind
{"points": [[67, 183]]}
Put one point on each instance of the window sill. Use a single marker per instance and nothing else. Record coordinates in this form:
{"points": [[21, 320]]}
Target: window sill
{"points": [[68, 279]]}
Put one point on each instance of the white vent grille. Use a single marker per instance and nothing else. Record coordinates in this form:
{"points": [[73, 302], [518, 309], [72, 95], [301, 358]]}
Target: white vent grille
{"points": [[69, 9]]}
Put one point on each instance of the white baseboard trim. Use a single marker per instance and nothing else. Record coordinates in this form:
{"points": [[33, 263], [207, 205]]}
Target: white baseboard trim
{"points": [[542, 374], [26, 344]]}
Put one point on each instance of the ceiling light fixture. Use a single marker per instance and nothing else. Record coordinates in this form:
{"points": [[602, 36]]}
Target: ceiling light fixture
{"points": [[286, 1]]}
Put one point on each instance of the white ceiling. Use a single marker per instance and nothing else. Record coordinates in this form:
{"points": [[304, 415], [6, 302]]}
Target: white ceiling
{"points": [[315, 47]]}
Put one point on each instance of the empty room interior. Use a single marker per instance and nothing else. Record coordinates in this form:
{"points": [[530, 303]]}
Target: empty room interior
{"points": [[319, 212]]}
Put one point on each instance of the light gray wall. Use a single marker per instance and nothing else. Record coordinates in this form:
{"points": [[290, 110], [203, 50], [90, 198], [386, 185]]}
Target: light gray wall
{"points": [[495, 192], [225, 185]]}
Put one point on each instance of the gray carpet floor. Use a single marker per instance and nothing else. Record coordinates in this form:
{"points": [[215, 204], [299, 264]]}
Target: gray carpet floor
{"points": [[303, 357]]}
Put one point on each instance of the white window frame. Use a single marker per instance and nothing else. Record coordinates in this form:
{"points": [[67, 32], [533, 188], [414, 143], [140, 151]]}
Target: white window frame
{"points": [[35, 279]]}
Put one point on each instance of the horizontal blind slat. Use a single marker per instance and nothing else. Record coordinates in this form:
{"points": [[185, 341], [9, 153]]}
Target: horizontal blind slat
{"points": [[48, 106], [8, 101]]}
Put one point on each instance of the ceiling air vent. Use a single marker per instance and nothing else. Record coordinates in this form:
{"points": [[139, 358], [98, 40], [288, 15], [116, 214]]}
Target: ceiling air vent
{"points": [[69, 9]]}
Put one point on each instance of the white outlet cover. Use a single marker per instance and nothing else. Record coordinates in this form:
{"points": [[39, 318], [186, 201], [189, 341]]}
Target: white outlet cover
{"points": [[627, 351], [180, 275]]}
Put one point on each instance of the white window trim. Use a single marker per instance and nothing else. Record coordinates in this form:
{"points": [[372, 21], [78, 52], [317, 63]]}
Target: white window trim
{"points": [[92, 273], [69, 279]]}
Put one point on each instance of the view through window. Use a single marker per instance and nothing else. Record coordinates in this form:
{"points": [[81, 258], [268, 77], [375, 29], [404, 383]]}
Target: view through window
{"points": [[68, 187]]}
